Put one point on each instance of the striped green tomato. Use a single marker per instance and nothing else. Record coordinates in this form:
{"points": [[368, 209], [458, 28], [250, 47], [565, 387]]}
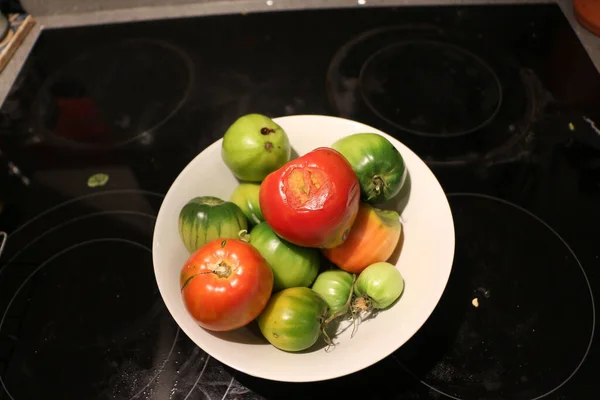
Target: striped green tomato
{"points": [[336, 288], [207, 218], [378, 164], [293, 318], [245, 195], [292, 265]]}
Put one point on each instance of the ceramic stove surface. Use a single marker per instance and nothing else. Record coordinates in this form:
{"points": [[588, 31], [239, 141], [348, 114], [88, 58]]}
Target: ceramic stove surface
{"points": [[500, 101]]}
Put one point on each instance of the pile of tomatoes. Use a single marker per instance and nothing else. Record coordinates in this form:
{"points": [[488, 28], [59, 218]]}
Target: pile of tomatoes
{"points": [[301, 242]]}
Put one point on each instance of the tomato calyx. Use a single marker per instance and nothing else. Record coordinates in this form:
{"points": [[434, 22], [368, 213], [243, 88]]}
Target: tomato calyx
{"points": [[379, 186], [221, 268], [361, 304]]}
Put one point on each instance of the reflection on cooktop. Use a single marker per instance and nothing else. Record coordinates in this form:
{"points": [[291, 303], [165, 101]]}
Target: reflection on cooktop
{"points": [[517, 318], [430, 88], [478, 92], [115, 94], [82, 313], [448, 98]]}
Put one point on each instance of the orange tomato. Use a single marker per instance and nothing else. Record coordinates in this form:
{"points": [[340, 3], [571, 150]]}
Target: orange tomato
{"points": [[372, 238], [225, 284]]}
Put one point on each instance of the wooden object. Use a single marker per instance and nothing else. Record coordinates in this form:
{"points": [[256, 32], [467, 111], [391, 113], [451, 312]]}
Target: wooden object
{"points": [[20, 25]]}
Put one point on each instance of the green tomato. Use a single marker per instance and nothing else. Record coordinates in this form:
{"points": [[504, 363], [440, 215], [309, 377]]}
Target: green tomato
{"points": [[335, 286], [254, 146], [378, 164], [292, 319], [292, 265], [378, 286], [207, 218], [245, 196]]}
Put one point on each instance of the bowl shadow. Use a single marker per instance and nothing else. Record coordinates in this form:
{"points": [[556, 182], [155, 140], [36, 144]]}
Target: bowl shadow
{"points": [[398, 202], [249, 334], [294, 154], [393, 259], [397, 374], [382, 380]]}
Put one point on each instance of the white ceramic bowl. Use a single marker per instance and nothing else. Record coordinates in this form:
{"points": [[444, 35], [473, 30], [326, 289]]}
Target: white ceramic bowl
{"points": [[425, 261]]}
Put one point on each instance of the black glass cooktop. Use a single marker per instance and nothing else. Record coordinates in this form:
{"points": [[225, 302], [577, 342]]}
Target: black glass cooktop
{"points": [[500, 101]]}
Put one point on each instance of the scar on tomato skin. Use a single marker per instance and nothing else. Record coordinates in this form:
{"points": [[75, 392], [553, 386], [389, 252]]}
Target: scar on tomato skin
{"points": [[188, 280], [306, 188]]}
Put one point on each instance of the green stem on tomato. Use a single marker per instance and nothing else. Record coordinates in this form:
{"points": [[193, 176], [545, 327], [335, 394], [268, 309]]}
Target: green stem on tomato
{"points": [[378, 186], [244, 235], [344, 309], [360, 305]]}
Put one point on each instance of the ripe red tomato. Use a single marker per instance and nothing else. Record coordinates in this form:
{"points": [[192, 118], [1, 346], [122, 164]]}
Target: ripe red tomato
{"points": [[225, 284], [312, 201]]}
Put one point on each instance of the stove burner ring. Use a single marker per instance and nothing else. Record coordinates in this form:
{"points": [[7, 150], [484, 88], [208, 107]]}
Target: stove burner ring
{"points": [[73, 247], [435, 89], [88, 107], [589, 345], [87, 216], [80, 198]]}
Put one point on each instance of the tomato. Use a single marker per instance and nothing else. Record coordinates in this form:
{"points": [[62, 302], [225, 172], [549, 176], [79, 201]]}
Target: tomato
{"points": [[292, 265], [253, 146], [373, 238], [378, 164], [377, 287], [225, 284], [336, 288], [245, 195], [207, 218], [312, 201], [292, 321]]}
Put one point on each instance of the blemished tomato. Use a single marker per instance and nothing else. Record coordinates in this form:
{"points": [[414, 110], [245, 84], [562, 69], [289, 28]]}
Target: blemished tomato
{"points": [[253, 146], [312, 201], [293, 319], [225, 284]]}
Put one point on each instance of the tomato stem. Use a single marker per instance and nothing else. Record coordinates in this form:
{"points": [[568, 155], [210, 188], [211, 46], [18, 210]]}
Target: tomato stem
{"points": [[244, 235], [222, 269], [360, 305], [343, 310], [378, 186]]}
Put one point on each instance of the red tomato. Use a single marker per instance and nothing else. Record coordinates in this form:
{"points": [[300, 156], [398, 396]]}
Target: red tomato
{"points": [[312, 201], [225, 284]]}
